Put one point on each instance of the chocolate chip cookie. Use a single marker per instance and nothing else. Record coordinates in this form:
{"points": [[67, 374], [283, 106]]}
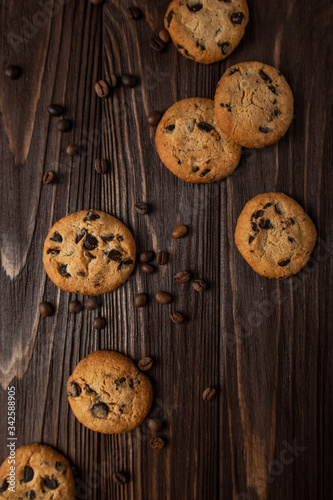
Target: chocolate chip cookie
{"points": [[40, 472], [89, 252], [108, 393], [254, 104], [274, 235], [206, 31], [191, 144]]}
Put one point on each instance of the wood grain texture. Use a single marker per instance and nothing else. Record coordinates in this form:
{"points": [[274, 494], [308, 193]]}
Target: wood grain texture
{"points": [[266, 345]]}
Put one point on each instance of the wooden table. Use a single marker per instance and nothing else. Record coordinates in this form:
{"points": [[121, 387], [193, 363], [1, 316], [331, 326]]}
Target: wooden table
{"points": [[265, 344]]}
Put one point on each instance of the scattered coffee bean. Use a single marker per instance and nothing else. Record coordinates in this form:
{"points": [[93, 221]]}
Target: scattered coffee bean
{"points": [[156, 443], [119, 478], [133, 12], [177, 317], [49, 177], [114, 81], [72, 149], [209, 393], [99, 323], [145, 364], [164, 36], [101, 165], [56, 110], [102, 89], [146, 257], [154, 118], [129, 80], [163, 297], [157, 44], [154, 425], [182, 277], [179, 232], [75, 307], [13, 72], [147, 268], [64, 125], [91, 303], [162, 258], [141, 208], [140, 300], [199, 285], [46, 309]]}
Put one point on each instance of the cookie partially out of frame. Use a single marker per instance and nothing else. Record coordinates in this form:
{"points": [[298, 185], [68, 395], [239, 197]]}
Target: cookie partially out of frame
{"points": [[274, 235], [89, 252], [191, 144], [108, 393], [254, 104], [206, 31], [41, 472]]}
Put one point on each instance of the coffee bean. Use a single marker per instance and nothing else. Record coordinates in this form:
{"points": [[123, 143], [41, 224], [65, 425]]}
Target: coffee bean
{"points": [[156, 443], [101, 165], [164, 36], [129, 80], [209, 394], [114, 81], [141, 208], [162, 258], [140, 300], [154, 425], [182, 277], [154, 118], [56, 110], [64, 125], [13, 72], [179, 232], [49, 177], [51, 483], [199, 285], [91, 303], [119, 478], [100, 410], [28, 474], [46, 309], [72, 149], [74, 307], [146, 257], [163, 297], [102, 89], [99, 323], [157, 44], [133, 12], [147, 268], [177, 317], [145, 364]]}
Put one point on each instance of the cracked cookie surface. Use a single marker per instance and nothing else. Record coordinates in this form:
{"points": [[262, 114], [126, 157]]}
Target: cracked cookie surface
{"points": [[206, 31], [254, 104], [274, 235], [41, 472], [191, 144], [89, 252], [108, 393]]}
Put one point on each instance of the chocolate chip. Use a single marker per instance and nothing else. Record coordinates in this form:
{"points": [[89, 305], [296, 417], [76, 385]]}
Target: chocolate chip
{"points": [[60, 467], [179, 232], [90, 243], [63, 271], [251, 238], [102, 89], [195, 169], [162, 258], [101, 165], [49, 177], [31, 494], [199, 286], [157, 44], [53, 251], [265, 130], [51, 482], [209, 393], [91, 216], [204, 127], [56, 237], [265, 224], [258, 214], [80, 236], [182, 277], [188, 54], [13, 72], [129, 80], [100, 410], [254, 226], [147, 269], [119, 478], [28, 474], [140, 300], [163, 297], [154, 424], [4, 486], [46, 309], [278, 209], [75, 307], [64, 125], [273, 89], [268, 205], [145, 363], [156, 443], [276, 112], [153, 118], [169, 17], [74, 390], [114, 255], [205, 172], [146, 257], [169, 129], [164, 36], [127, 262], [284, 263], [194, 7], [233, 70], [120, 238], [176, 317], [107, 239], [90, 389], [141, 208], [133, 13], [264, 77], [237, 17], [200, 46], [72, 150], [56, 109], [91, 303], [291, 240], [99, 323], [225, 46], [292, 222]]}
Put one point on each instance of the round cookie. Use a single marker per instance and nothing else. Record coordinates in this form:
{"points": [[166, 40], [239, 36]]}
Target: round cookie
{"points": [[206, 31], [108, 393], [191, 144], [274, 235], [40, 473], [254, 104], [89, 252]]}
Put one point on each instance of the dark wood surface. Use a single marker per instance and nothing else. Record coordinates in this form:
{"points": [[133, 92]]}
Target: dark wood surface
{"points": [[266, 345]]}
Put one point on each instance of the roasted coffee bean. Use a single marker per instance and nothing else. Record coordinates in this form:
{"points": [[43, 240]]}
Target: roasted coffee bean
{"points": [[140, 300], [46, 309], [156, 443], [164, 36], [56, 110], [154, 425], [163, 297], [49, 177], [209, 394], [91, 303], [119, 478], [176, 317], [4, 486], [31, 494], [100, 410], [51, 482], [141, 208], [179, 232], [129, 80], [101, 165], [147, 268], [13, 72], [75, 307], [194, 7], [28, 474], [99, 323], [114, 81], [284, 263], [90, 243], [75, 390], [237, 17], [72, 149], [145, 364], [162, 258], [182, 277], [157, 44], [64, 125], [199, 285], [154, 118], [133, 12], [102, 89], [146, 257]]}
